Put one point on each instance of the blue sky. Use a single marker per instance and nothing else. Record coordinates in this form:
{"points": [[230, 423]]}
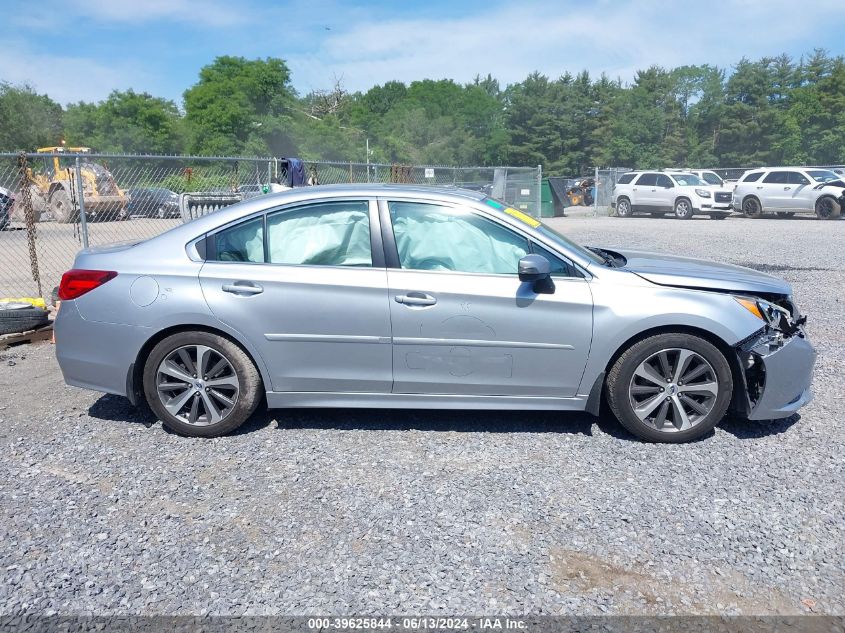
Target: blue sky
{"points": [[82, 49]]}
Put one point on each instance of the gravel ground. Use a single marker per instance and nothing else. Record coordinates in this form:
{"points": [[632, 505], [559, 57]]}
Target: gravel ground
{"points": [[306, 512]]}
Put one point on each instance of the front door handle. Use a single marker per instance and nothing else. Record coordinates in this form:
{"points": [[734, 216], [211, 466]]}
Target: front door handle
{"points": [[243, 288], [787, 188], [416, 299]]}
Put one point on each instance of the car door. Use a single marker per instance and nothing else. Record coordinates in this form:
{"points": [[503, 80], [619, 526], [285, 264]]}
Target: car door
{"points": [[664, 194], [644, 192], [802, 196], [463, 323], [774, 192], [306, 285]]}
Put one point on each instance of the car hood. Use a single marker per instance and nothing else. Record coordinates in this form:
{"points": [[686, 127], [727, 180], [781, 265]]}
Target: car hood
{"points": [[686, 272]]}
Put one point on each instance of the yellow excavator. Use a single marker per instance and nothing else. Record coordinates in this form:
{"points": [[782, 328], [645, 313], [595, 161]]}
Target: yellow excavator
{"points": [[54, 188]]}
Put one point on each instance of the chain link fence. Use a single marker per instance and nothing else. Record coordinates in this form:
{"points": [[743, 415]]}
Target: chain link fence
{"points": [[63, 202], [606, 180]]}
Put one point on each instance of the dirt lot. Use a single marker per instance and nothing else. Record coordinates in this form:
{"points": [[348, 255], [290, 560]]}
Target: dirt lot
{"points": [[306, 512]]}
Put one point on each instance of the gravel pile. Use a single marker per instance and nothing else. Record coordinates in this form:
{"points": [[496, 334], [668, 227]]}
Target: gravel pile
{"points": [[341, 512]]}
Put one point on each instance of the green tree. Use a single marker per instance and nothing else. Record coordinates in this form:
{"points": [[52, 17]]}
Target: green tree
{"points": [[28, 120], [126, 122], [241, 106]]}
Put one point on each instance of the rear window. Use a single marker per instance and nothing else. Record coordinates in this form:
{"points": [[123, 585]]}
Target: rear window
{"points": [[754, 176], [625, 179]]}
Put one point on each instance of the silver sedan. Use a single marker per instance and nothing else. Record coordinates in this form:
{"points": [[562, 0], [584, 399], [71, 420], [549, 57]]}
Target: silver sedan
{"points": [[414, 297]]}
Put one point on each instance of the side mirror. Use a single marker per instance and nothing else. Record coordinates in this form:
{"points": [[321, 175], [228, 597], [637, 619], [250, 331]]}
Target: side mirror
{"points": [[537, 269]]}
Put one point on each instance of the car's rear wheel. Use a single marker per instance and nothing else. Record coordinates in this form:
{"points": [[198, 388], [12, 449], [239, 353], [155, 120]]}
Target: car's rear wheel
{"points": [[623, 208], [670, 387], [827, 208], [201, 384], [751, 208], [683, 209]]}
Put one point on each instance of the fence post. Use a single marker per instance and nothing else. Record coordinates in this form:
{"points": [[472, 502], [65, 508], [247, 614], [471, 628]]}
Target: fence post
{"points": [[539, 195], [80, 195], [269, 172], [596, 196]]}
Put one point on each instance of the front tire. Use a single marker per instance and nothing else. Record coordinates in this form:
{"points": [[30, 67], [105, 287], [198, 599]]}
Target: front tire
{"points": [[670, 388], [683, 209], [61, 207], [200, 384], [827, 208]]}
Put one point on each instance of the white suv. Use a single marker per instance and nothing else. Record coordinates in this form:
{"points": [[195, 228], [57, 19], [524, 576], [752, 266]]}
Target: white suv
{"points": [[790, 190], [657, 193]]}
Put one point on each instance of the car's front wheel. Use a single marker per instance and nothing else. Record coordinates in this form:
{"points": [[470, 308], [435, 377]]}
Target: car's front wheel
{"points": [[827, 208], [201, 384], [624, 208], [670, 387], [683, 209]]}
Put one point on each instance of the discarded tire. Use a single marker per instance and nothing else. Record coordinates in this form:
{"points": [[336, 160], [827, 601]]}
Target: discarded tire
{"points": [[20, 317]]}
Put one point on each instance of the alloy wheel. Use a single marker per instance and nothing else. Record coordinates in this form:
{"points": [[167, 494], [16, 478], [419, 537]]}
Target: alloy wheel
{"points": [[673, 390], [623, 208], [197, 385], [683, 209]]}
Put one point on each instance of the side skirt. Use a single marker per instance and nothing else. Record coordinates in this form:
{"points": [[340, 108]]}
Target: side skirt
{"points": [[317, 399]]}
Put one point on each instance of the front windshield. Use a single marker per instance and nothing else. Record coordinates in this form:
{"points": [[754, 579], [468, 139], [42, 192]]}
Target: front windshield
{"points": [[546, 231], [822, 175], [688, 179], [711, 178]]}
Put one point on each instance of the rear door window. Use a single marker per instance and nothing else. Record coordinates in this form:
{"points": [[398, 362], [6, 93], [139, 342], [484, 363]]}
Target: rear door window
{"points": [[243, 242], [626, 178], [752, 177], [777, 178], [647, 180]]}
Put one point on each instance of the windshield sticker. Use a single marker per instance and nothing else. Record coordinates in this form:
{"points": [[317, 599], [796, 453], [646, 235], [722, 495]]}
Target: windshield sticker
{"points": [[522, 217]]}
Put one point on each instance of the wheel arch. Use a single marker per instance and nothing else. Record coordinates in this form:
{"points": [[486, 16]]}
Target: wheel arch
{"points": [[718, 342], [134, 377]]}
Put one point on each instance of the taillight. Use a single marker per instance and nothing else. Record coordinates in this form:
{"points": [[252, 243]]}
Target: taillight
{"points": [[76, 283]]}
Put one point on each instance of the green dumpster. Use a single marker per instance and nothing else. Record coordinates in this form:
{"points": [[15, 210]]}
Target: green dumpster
{"points": [[547, 203]]}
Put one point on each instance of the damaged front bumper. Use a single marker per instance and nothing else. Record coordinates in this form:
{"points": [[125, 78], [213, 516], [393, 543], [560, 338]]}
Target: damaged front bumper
{"points": [[777, 372]]}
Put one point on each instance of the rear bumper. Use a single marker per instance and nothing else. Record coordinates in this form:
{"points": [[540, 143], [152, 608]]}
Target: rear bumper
{"points": [[788, 374], [95, 355]]}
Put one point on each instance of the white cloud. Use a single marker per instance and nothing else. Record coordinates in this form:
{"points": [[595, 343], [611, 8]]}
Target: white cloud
{"points": [[68, 79], [515, 39], [207, 13]]}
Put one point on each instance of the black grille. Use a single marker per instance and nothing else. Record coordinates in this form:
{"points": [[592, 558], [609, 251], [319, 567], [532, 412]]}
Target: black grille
{"points": [[723, 197]]}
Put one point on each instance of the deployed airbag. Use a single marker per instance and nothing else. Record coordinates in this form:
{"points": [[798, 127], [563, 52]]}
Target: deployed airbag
{"points": [[334, 234], [429, 237]]}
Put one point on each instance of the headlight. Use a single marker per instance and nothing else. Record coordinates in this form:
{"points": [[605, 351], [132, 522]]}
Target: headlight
{"points": [[772, 314], [703, 193]]}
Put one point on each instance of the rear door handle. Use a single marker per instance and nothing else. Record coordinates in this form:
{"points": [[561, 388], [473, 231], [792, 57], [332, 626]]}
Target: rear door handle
{"points": [[787, 188], [243, 288], [416, 299]]}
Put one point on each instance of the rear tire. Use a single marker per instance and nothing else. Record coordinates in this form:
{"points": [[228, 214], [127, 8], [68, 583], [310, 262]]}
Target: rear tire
{"points": [[683, 209], [752, 208], [200, 384], [624, 208], [681, 408]]}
